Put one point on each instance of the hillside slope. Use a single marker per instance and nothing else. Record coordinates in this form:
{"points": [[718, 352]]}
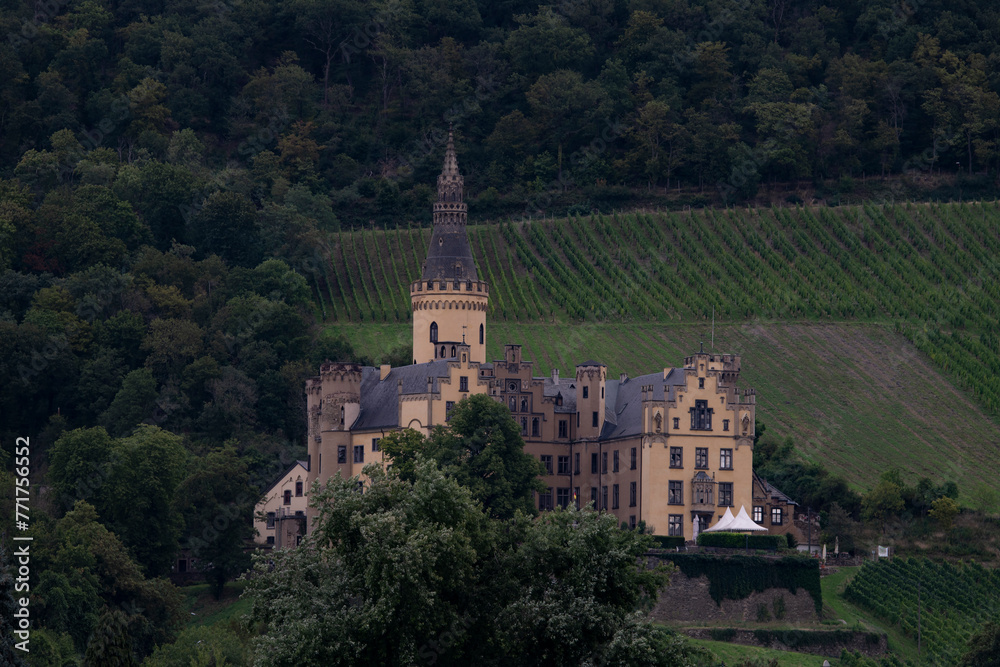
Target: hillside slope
{"points": [[857, 397]]}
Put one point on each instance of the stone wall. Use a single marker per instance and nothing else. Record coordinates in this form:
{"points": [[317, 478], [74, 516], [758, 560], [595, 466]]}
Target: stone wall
{"points": [[687, 600]]}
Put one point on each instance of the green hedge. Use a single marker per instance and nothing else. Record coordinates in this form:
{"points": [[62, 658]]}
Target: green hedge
{"points": [[667, 542], [736, 577], [739, 541]]}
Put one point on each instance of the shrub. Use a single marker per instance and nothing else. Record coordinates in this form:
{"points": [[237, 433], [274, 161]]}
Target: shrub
{"points": [[668, 542], [739, 541], [763, 615]]}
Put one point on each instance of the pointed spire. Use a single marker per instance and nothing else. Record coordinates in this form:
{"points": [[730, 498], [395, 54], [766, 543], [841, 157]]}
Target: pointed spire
{"points": [[450, 182], [449, 255], [450, 169]]}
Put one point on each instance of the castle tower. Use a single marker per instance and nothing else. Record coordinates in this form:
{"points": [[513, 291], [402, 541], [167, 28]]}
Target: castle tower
{"points": [[449, 301]]}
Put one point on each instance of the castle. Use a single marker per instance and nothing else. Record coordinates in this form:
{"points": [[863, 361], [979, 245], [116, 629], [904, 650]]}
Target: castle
{"points": [[672, 448]]}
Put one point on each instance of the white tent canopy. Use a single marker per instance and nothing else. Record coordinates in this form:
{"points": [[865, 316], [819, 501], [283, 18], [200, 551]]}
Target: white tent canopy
{"points": [[723, 523], [743, 523]]}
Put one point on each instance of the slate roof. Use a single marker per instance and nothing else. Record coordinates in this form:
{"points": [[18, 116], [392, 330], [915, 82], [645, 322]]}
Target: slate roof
{"points": [[380, 398], [625, 399]]}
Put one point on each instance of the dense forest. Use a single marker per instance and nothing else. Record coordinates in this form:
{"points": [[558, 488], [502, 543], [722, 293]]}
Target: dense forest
{"points": [[337, 111]]}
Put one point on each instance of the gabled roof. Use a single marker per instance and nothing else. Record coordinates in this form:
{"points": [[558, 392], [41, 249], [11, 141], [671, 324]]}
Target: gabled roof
{"points": [[625, 399], [305, 466], [380, 398]]}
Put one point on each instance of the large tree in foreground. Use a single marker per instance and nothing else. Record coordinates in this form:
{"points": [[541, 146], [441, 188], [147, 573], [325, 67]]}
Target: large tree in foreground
{"points": [[413, 571]]}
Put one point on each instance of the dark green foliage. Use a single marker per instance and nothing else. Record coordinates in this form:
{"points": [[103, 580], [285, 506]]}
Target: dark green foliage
{"points": [[735, 577], [742, 541], [110, 645], [824, 638], [984, 647], [722, 634], [667, 541]]}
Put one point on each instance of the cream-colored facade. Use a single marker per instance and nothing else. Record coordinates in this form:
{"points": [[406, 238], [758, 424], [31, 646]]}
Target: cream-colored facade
{"points": [[279, 517], [669, 449]]}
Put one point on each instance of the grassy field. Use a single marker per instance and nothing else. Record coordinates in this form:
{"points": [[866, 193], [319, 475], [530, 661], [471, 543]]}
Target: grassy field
{"points": [[732, 654], [203, 609], [858, 397]]}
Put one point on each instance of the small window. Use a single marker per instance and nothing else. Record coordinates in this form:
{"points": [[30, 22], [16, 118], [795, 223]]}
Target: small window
{"points": [[758, 513], [534, 427], [562, 498], [524, 426], [576, 463], [270, 520], [632, 461], [359, 454], [270, 539], [576, 496], [614, 462], [725, 459], [602, 392], [547, 463], [631, 522], [545, 500], [434, 332], [631, 494], [593, 464], [298, 489], [675, 493], [288, 497], [677, 422], [442, 352], [614, 497], [452, 352], [448, 405], [776, 516], [675, 525], [375, 445], [725, 494], [563, 428], [701, 383], [593, 419], [604, 497], [481, 334], [725, 424], [604, 463], [586, 391], [676, 457], [563, 465], [463, 383], [593, 497], [701, 457], [341, 453]]}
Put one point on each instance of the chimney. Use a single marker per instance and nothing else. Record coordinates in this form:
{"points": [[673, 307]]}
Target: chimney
{"points": [[623, 378], [383, 371], [555, 376]]}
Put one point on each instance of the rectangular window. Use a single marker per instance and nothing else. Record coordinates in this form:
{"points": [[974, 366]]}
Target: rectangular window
{"points": [[725, 424], [675, 525], [463, 383], [298, 489], [701, 416], [341, 453], [631, 494], [524, 426], [359, 454], [586, 392], [375, 444], [725, 494], [614, 463], [270, 539], [270, 520], [545, 500], [562, 497], [701, 383], [534, 427], [632, 459], [576, 463], [563, 465], [448, 405], [758, 513], [547, 462], [677, 422], [576, 496], [604, 497], [604, 463], [701, 457], [593, 420], [614, 497], [725, 459], [776, 516], [676, 457], [675, 493], [563, 428], [631, 522], [593, 464], [288, 497], [593, 496]]}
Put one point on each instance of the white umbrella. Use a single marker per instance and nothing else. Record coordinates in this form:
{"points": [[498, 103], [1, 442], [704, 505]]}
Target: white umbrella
{"points": [[695, 525]]}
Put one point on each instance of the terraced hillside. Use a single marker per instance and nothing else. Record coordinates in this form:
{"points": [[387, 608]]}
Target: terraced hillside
{"points": [[639, 290]]}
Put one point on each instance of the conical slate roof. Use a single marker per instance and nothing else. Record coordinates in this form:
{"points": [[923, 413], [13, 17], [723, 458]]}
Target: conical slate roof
{"points": [[449, 256]]}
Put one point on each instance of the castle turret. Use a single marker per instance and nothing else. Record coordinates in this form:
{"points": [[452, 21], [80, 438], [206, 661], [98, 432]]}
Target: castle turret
{"points": [[449, 301]]}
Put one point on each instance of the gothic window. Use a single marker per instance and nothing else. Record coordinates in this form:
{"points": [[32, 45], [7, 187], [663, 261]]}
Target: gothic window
{"points": [[434, 332], [480, 334], [524, 405], [288, 497], [701, 383], [534, 427], [298, 488], [442, 351], [452, 351], [585, 392], [701, 416], [512, 404]]}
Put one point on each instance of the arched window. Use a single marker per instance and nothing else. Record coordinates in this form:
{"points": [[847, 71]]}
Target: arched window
{"points": [[480, 334], [434, 332], [524, 405], [453, 351], [442, 351]]}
